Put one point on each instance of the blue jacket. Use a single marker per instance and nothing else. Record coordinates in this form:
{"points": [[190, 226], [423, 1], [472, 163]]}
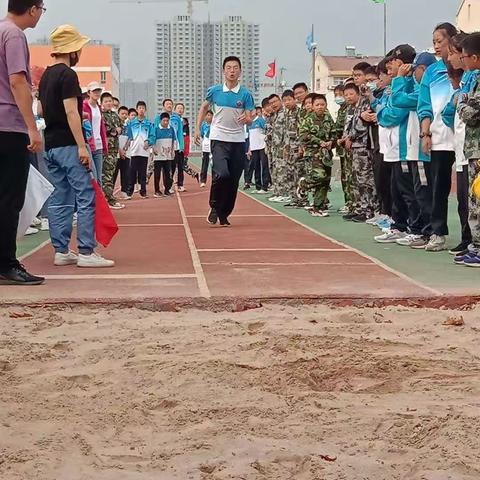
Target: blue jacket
{"points": [[176, 123], [405, 92], [435, 93], [145, 128], [205, 130]]}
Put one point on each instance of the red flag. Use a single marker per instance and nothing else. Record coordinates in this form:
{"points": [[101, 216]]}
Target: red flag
{"points": [[105, 224], [273, 70]]}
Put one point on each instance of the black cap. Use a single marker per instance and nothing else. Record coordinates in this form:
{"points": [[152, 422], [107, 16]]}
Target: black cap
{"points": [[405, 53]]}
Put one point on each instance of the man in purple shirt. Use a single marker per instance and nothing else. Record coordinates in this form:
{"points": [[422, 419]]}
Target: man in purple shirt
{"points": [[18, 132]]}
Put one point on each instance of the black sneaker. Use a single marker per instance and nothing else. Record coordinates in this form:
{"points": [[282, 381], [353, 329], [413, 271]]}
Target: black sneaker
{"points": [[349, 216], [19, 276], [224, 222], [459, 249], [246, 186], [212, 217], [359, 219]]}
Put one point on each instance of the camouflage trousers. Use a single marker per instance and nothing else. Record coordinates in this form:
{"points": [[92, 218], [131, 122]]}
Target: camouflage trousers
{"points": [[279, 176], [363, 182], [346, 177], [108, 174], [474, 203], [318, 182], [303, 169], [293, 175]]}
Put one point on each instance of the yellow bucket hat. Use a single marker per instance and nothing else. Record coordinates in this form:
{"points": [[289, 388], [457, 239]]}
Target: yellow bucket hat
{"points": [[66, 39]]}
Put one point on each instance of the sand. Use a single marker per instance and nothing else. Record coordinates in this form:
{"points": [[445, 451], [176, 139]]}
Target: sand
{"points": [[274, 393]]}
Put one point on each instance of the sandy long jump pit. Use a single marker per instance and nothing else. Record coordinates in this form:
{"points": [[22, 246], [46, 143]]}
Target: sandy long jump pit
{"points": [[280, 392]]}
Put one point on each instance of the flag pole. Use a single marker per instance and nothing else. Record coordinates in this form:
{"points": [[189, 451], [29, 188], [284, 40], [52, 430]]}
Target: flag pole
{"points": [[385, 27], [275, 82], [314, 65]]}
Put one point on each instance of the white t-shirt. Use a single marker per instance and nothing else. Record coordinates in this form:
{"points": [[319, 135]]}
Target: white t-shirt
{"points": [[96, 127]]}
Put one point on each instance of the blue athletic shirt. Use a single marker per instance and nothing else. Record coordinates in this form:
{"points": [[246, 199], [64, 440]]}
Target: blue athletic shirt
{"points": [[227, 106], [256, 133], [164, 148]]}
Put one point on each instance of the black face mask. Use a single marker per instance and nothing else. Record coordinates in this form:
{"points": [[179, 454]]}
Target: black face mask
{"points": [[74, 59]]}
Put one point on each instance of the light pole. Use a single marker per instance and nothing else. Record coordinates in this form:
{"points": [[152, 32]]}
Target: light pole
{"points": [[314, 65]]}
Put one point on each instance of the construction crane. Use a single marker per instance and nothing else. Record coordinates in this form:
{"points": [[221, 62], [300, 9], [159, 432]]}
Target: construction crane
{"points": [[140, 2]]}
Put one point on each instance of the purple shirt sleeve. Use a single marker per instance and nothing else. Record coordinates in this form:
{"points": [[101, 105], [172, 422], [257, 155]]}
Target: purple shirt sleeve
{"points": [[17, 55]]}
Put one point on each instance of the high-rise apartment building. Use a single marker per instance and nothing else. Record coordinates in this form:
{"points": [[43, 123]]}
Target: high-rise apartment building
{"points": [[189, 57]]}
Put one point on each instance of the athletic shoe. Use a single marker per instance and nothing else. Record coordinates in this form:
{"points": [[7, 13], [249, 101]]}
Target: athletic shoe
{"points": [[182, 189], [292, 205], [472, 261], [390, 236], [284, 200], [419, 244], [463, 253], [344, 210], [437, 243], [319, 213], [203, 185], [144, 197], [349, 216], [19, 276], [359, 219], [301, 190], [460, 259], [36, 222], [31, 231], [172, 191], [460, 248], [308, 208], [137, 188], [62, 259], [212, 217], [158, 195], [246, 186], [45, 226], [373, 221], [124, 196], [274, 198], [385, 223], [262, 192], [117, 206], [94, 260], [224, 222], [410, 239]]}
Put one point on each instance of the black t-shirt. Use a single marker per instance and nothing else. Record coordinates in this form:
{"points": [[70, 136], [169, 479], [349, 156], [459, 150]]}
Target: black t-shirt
{"points": [[58, 83]]}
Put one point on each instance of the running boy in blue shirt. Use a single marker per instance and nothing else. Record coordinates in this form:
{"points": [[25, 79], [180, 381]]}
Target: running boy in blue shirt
{"points": [[163, 155]]}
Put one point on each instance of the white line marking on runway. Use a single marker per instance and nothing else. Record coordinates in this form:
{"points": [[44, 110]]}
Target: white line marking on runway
{"points": [[292, 264], [273, 250], [151, 225], [118, 276], [197, 264], [35, 250]]}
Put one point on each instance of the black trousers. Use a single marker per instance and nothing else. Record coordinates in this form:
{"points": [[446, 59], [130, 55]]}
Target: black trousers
{"points": [[249, 170], [228, 165], [382, 173], [165, 168], [262, 171], [405, 209], [439, 175], [15, 165], [138, 170], [177, 165], [423, 195], [205, 164], [463, 209], [122, 167]]}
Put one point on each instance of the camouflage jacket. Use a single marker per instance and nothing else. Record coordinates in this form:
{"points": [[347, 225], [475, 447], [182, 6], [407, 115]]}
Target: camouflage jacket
{"points": [[292, 140], [315, 130], [278, 134], [469, 111], [357, 129], [112, 122], [342, 118]]}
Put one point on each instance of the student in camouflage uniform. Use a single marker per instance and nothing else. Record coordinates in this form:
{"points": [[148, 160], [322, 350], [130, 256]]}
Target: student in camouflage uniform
{"points": [[317, 132], [268, 115], [114, 129], [291, 146], [279, 168], [468, 108], [357, 138], [345, 155]]}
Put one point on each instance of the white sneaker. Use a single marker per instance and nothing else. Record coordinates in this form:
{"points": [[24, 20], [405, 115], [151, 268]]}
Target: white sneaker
{"points": [[319, 213], [171, 191], [273, 199], [137, 188], [94, 260], [375, 219], [437, 243], [124, 196], [283, 200], [44, 227], [31, 231], [36, 222], [182, 189], [203, 185], [62, 259], [262, 192], [390, 236], [409, 240], [117, 206]]}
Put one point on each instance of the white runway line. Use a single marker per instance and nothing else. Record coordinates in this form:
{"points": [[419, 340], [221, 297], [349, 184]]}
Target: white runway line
{"points": [[273, 250], [119, 276], [35, 250], [150, 225]]}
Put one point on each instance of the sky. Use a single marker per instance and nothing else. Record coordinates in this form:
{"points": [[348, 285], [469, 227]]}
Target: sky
{"points": [[284, 26]]}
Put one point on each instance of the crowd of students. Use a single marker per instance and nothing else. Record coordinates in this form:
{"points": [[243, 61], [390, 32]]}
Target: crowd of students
{"points": [[400, 128]]}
